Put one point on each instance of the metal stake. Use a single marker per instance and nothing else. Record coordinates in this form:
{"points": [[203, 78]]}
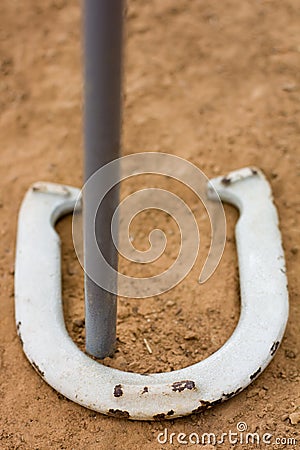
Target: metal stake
{"points": [[103, 25]]}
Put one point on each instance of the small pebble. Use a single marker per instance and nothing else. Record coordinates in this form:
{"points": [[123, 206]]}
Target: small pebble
{"points": [[290, 354], [294, 418], [190, 335], [78, 323], [170, 303], [121, 362], [289, 87]]}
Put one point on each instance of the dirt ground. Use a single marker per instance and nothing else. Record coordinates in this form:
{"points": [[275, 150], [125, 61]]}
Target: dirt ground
{"points": [[215, 82]]}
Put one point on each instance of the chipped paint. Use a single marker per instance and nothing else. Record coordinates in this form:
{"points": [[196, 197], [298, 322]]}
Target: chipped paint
{"points": [[226, 181], [274, 348], [19, 333], [232, 394], [20, 338], [255, 374], [239, 175], [118, 413], [118, 392], [180, 386], [216, 402], [203, 407], [50, 188], [39, 371]]}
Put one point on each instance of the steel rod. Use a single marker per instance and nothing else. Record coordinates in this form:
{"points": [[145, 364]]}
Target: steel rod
{"points": [[103, 30]]}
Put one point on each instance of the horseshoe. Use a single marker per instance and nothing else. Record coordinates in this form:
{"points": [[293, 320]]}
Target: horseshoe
{"points": [[53, 354]]}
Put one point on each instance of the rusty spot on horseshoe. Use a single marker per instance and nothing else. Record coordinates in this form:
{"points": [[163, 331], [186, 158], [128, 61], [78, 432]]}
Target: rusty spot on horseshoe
{"points": [[231, 394], [21, 340], [19, 333], [39, 371], [254, 375], [180, 386], [159, 416], [119, 413], [226, 181], [216, 402], [118, 392], [274, 348], [203, 406]]}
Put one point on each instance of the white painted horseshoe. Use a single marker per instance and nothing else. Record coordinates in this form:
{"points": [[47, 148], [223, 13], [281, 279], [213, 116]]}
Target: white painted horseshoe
{"points": [[51, 351]]}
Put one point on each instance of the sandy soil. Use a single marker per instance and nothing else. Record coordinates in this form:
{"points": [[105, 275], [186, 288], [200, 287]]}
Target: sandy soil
{"points": [[215, 82]]}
